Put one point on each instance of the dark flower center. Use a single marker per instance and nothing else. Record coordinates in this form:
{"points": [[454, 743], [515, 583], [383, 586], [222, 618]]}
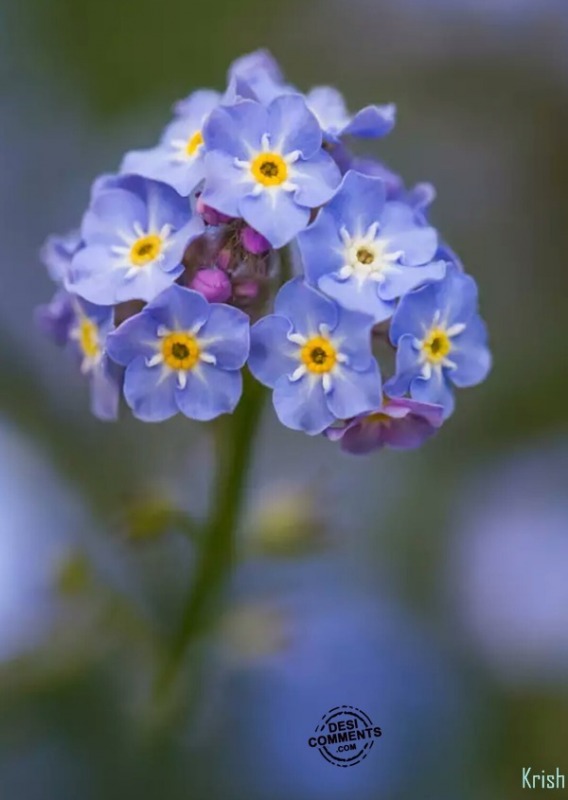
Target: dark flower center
{"points": [[365, 256], [180, 351], [319, 356], [269, 169]]}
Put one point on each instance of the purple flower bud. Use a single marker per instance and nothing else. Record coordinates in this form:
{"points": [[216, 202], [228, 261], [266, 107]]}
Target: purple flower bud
{"points": [[213, 284], [253, 241], [210, 216]]}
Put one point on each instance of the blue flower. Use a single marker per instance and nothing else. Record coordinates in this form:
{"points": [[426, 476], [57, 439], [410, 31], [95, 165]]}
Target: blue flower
{"points": [[441, 341], [84, 327], [57, 254], [317, 357], [365, 252], [182, 354], [328, 105], [267, 166], [135, 234], [178, 159]]}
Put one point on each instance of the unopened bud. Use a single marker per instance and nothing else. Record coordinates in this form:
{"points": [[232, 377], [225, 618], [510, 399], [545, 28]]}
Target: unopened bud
{"points": [[214, 284], [254, 242], [210, 215]]}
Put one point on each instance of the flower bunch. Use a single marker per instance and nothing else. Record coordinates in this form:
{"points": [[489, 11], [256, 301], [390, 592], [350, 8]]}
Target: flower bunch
{"points": [[252, 202]]}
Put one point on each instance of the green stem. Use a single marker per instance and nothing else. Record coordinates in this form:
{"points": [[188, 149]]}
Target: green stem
{"points": [[216, 555]]}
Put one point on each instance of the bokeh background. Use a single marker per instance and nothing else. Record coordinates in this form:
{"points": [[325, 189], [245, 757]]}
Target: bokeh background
{"points": [[431, 588]]}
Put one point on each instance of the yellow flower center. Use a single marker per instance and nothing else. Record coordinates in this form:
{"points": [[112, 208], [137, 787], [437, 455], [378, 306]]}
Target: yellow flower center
{"points": [[318, 355], [194, 143], [436, 346], [145, 250], [180, 350], [89, 338], [270, 169]]}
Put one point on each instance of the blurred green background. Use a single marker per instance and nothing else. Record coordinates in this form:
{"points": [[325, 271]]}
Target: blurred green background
{"points": [[429, 588]]}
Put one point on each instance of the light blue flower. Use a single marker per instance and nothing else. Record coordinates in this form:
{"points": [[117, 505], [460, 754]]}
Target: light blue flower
{"points": [[365, 252], [178, 159], [182, 354], [135, 234], [317, 357], [328, 105], [267, 166], [441, 341]]}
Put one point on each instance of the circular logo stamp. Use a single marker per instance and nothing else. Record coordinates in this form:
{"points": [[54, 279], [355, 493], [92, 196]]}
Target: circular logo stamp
{"points": [[345, 736]]}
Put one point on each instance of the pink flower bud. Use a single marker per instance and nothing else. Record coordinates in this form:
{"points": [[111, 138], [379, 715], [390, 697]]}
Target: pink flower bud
{"points": [[213, 284], [210, 216], [253, 241]]}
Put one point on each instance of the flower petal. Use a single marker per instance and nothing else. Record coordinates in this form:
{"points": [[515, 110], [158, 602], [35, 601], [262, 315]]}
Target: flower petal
{"points": [[301, 405], [355, 393], [362, 297], [275, 215], [226, 335], [292, 126], [471, 355], [317, 180], [272, 354], [209, 392], [178, 308], [135, 337], [305, 307], [149, 392]]}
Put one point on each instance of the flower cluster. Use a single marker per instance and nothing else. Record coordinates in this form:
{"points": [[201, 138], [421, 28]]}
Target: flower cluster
{"points": [[252, 199]]}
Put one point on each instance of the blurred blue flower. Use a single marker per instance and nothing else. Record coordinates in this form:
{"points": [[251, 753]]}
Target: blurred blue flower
{"points": [[317, 357], [178, 159], [267, 166], [399, 423], [507, 567], [135, 233], [182, 354], [366, 252], [336, 644], [329, 108], [441, 340]]}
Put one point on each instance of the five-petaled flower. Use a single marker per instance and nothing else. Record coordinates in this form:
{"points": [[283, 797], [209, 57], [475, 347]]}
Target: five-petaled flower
{"points": [[441, 340], [182, 353], [317, 357], [366, 252], [400, 423], [135, 234], [267, 166]]}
